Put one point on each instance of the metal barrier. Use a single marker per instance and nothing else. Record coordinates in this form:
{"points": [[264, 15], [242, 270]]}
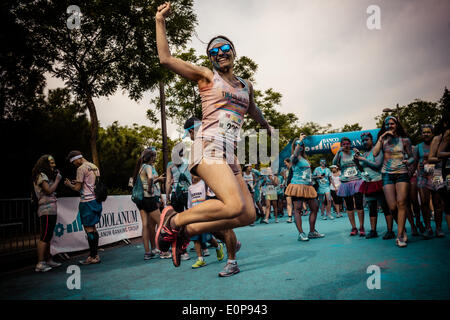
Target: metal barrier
{"points": [[19, 226]]}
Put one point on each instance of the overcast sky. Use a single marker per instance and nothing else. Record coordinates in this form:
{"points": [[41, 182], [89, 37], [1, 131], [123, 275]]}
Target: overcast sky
{"points": [[321, 56]]}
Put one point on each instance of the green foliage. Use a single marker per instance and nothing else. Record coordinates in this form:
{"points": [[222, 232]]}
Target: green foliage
{"points": [[120, 148], [416, 113]]}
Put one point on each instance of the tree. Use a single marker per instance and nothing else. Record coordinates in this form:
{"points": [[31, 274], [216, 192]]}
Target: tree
{"points": [[351, 127], [115, 46], [120, 148], [21, 72], [413, 115], [55, 125]]}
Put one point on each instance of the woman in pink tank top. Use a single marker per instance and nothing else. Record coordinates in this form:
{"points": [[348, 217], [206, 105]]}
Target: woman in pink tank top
{"points": [[225, 100]]}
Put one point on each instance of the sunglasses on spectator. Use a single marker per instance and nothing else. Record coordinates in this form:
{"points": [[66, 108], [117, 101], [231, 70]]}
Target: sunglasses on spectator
{"points": [[215, 51]]}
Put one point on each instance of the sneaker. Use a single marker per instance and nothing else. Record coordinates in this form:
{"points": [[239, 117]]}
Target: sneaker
{"points": [[165, 235], [252, 224], [389, 235], [428, 234], [42, 267], [238, 246], [179, 245], [439, 234], [185, 256], [149, 255], [205, 252], [219, 252], [339, 215], [165, 255], [265, 221], [362, 232], [289, 220], [324, 218], [229, 270], [372, 234], [401, 243], [315, 235], [198, 264], [331, 217], [276, 220], [302, 237], [354, 232], [90, 260], [53, 264]]}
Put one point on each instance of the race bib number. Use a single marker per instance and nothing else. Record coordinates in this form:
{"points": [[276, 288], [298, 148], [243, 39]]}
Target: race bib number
{"points": [[350, 172], [428, 168], [271, 190], [229, 125], [323, 181], [306, 176]]}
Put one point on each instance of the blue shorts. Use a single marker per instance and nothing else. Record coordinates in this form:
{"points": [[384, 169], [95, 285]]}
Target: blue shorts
{"points": [[90, 212], [393, 178]]}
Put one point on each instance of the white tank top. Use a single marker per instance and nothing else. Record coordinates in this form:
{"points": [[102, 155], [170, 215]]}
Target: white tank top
{"points": [[196, 194], [249, 179]]}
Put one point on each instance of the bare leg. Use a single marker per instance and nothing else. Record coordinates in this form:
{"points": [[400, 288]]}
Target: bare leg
{"points": [[425, 200], [313, 215], [145, 230], [234, 208], [402, 191], [41, 248], [297, 215], [289, 206], [229, 238]]}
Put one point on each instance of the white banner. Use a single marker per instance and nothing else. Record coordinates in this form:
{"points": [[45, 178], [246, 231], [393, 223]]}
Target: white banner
{"points": [[120, 219]]}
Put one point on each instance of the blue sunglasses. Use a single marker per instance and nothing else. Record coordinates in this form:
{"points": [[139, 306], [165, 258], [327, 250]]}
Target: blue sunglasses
{"points": [[215, 51]]}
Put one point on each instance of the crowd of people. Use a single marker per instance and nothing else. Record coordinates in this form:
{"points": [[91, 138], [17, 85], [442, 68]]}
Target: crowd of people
{"points": [[205, 200]]}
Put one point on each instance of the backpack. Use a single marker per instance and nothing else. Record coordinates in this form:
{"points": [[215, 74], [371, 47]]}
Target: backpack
{"points": [[100, 190], [182, 181], [137, 194]]}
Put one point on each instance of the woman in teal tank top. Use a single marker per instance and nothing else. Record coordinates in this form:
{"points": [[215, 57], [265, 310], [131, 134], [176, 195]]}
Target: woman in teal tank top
{"points": [[300, 189]]}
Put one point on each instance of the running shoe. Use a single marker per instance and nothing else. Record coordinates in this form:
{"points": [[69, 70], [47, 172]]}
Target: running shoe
{"points": [[165, 255], [229, 270], [401, 242], [339, 215], [205, 252], [238, 246], [362, 232], [331, 217], [265, 221], [198, 264], [179, 246], [219, 252], [276, 220], [149, 255], [302, 237], [439, 234], [90, 260], [42, 267], [252, 224], [165, 235], [389, 235], [428, 234], [53, 264], [185, 256], [372, 234], [324, 217], [315, 235], [354, 232], [289, 220]]}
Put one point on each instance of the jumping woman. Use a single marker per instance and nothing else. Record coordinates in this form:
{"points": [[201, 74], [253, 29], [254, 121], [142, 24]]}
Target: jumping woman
{"points": [[226, 98]]}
